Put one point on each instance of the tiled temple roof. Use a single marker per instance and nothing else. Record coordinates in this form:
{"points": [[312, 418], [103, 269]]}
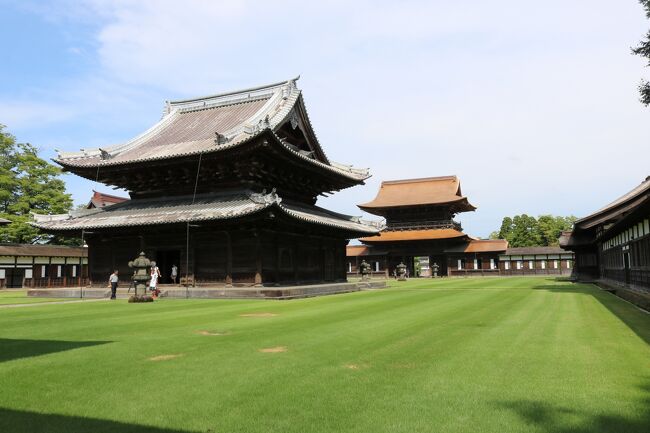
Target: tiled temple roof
{"points": [[414, 235], [362, 251], [618, 208], [533, 250], [213, 124], [417, 192], [480, 246], [100, 199], [41, 250], [206, 207]]}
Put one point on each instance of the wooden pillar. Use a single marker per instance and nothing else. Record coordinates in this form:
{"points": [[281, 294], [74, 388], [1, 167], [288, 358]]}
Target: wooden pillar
{"points": [[276, 251], [49, 273], [258, 259], [228, 260], [321, 259], [294, 257], [13, 273]]}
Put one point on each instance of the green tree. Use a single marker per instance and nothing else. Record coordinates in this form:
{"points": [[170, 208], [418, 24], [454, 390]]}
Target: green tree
{"points": [[27, 184], [526, 231], [550, 227], [643, 50]]}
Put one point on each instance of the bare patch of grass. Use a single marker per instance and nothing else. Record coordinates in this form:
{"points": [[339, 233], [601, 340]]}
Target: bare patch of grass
{"points": [[258, 315], [355, 366], [165, 357], [212, 333], [277, 349]]}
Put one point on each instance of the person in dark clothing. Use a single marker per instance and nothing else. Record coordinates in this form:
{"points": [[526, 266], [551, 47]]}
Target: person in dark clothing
{"points": [[112, 280]]}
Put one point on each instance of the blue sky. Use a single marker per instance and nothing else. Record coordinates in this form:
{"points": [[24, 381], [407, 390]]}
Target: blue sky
{"points": [[532, 104]]}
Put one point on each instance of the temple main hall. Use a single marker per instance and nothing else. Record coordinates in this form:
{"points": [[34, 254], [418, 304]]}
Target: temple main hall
{"points": [[225, 188]]}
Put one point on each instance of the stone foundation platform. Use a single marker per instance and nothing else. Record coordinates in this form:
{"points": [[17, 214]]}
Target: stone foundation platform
{"points": [[638, 297], [179, 292]]}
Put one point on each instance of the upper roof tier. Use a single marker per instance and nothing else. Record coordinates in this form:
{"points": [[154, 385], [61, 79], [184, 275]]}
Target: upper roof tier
{"points": [[442, 190], [215, 126]]}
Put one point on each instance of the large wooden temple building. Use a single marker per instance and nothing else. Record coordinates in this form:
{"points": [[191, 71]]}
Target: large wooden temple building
{"points": [[420, 222], [225, 188]]}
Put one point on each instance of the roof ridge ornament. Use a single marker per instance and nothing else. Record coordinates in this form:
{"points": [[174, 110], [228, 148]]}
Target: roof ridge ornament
{"points": [[220, 139], [293, 118], [264, 198], [290, 87], [261, 125]]}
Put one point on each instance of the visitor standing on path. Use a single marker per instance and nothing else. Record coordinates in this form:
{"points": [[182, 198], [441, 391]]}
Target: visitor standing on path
{"points": [[155, 274], [112, 281], [174, 273]]}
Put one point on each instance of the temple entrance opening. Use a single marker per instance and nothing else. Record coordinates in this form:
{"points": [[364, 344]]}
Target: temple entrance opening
{"points": [[165, 259]]}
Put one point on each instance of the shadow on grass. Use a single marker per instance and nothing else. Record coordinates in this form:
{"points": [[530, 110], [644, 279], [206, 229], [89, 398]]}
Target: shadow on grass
{"points": [[11, 349], [552, 418], [18, 421], [635, 319]]}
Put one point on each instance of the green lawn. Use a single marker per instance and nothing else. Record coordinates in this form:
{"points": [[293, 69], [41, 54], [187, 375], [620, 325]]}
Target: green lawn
{"points": [[460, 355], [12, 296]]}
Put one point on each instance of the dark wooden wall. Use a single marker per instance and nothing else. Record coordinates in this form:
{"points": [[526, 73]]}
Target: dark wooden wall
{"points": [[637, 272], [223, 257]]}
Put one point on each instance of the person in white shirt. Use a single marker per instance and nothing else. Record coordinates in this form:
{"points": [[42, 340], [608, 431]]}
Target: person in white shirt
{"points": [[174, 273], [155, 274], [112, 281]]}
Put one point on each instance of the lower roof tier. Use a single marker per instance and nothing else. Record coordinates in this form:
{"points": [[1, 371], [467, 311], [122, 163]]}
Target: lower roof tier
{"points": [[480, 246], [209, 207], [464, 246], [414, 235]]}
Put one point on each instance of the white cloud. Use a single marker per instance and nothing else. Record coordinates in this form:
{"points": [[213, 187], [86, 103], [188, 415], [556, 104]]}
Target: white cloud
{"points": [[23, 114]]}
